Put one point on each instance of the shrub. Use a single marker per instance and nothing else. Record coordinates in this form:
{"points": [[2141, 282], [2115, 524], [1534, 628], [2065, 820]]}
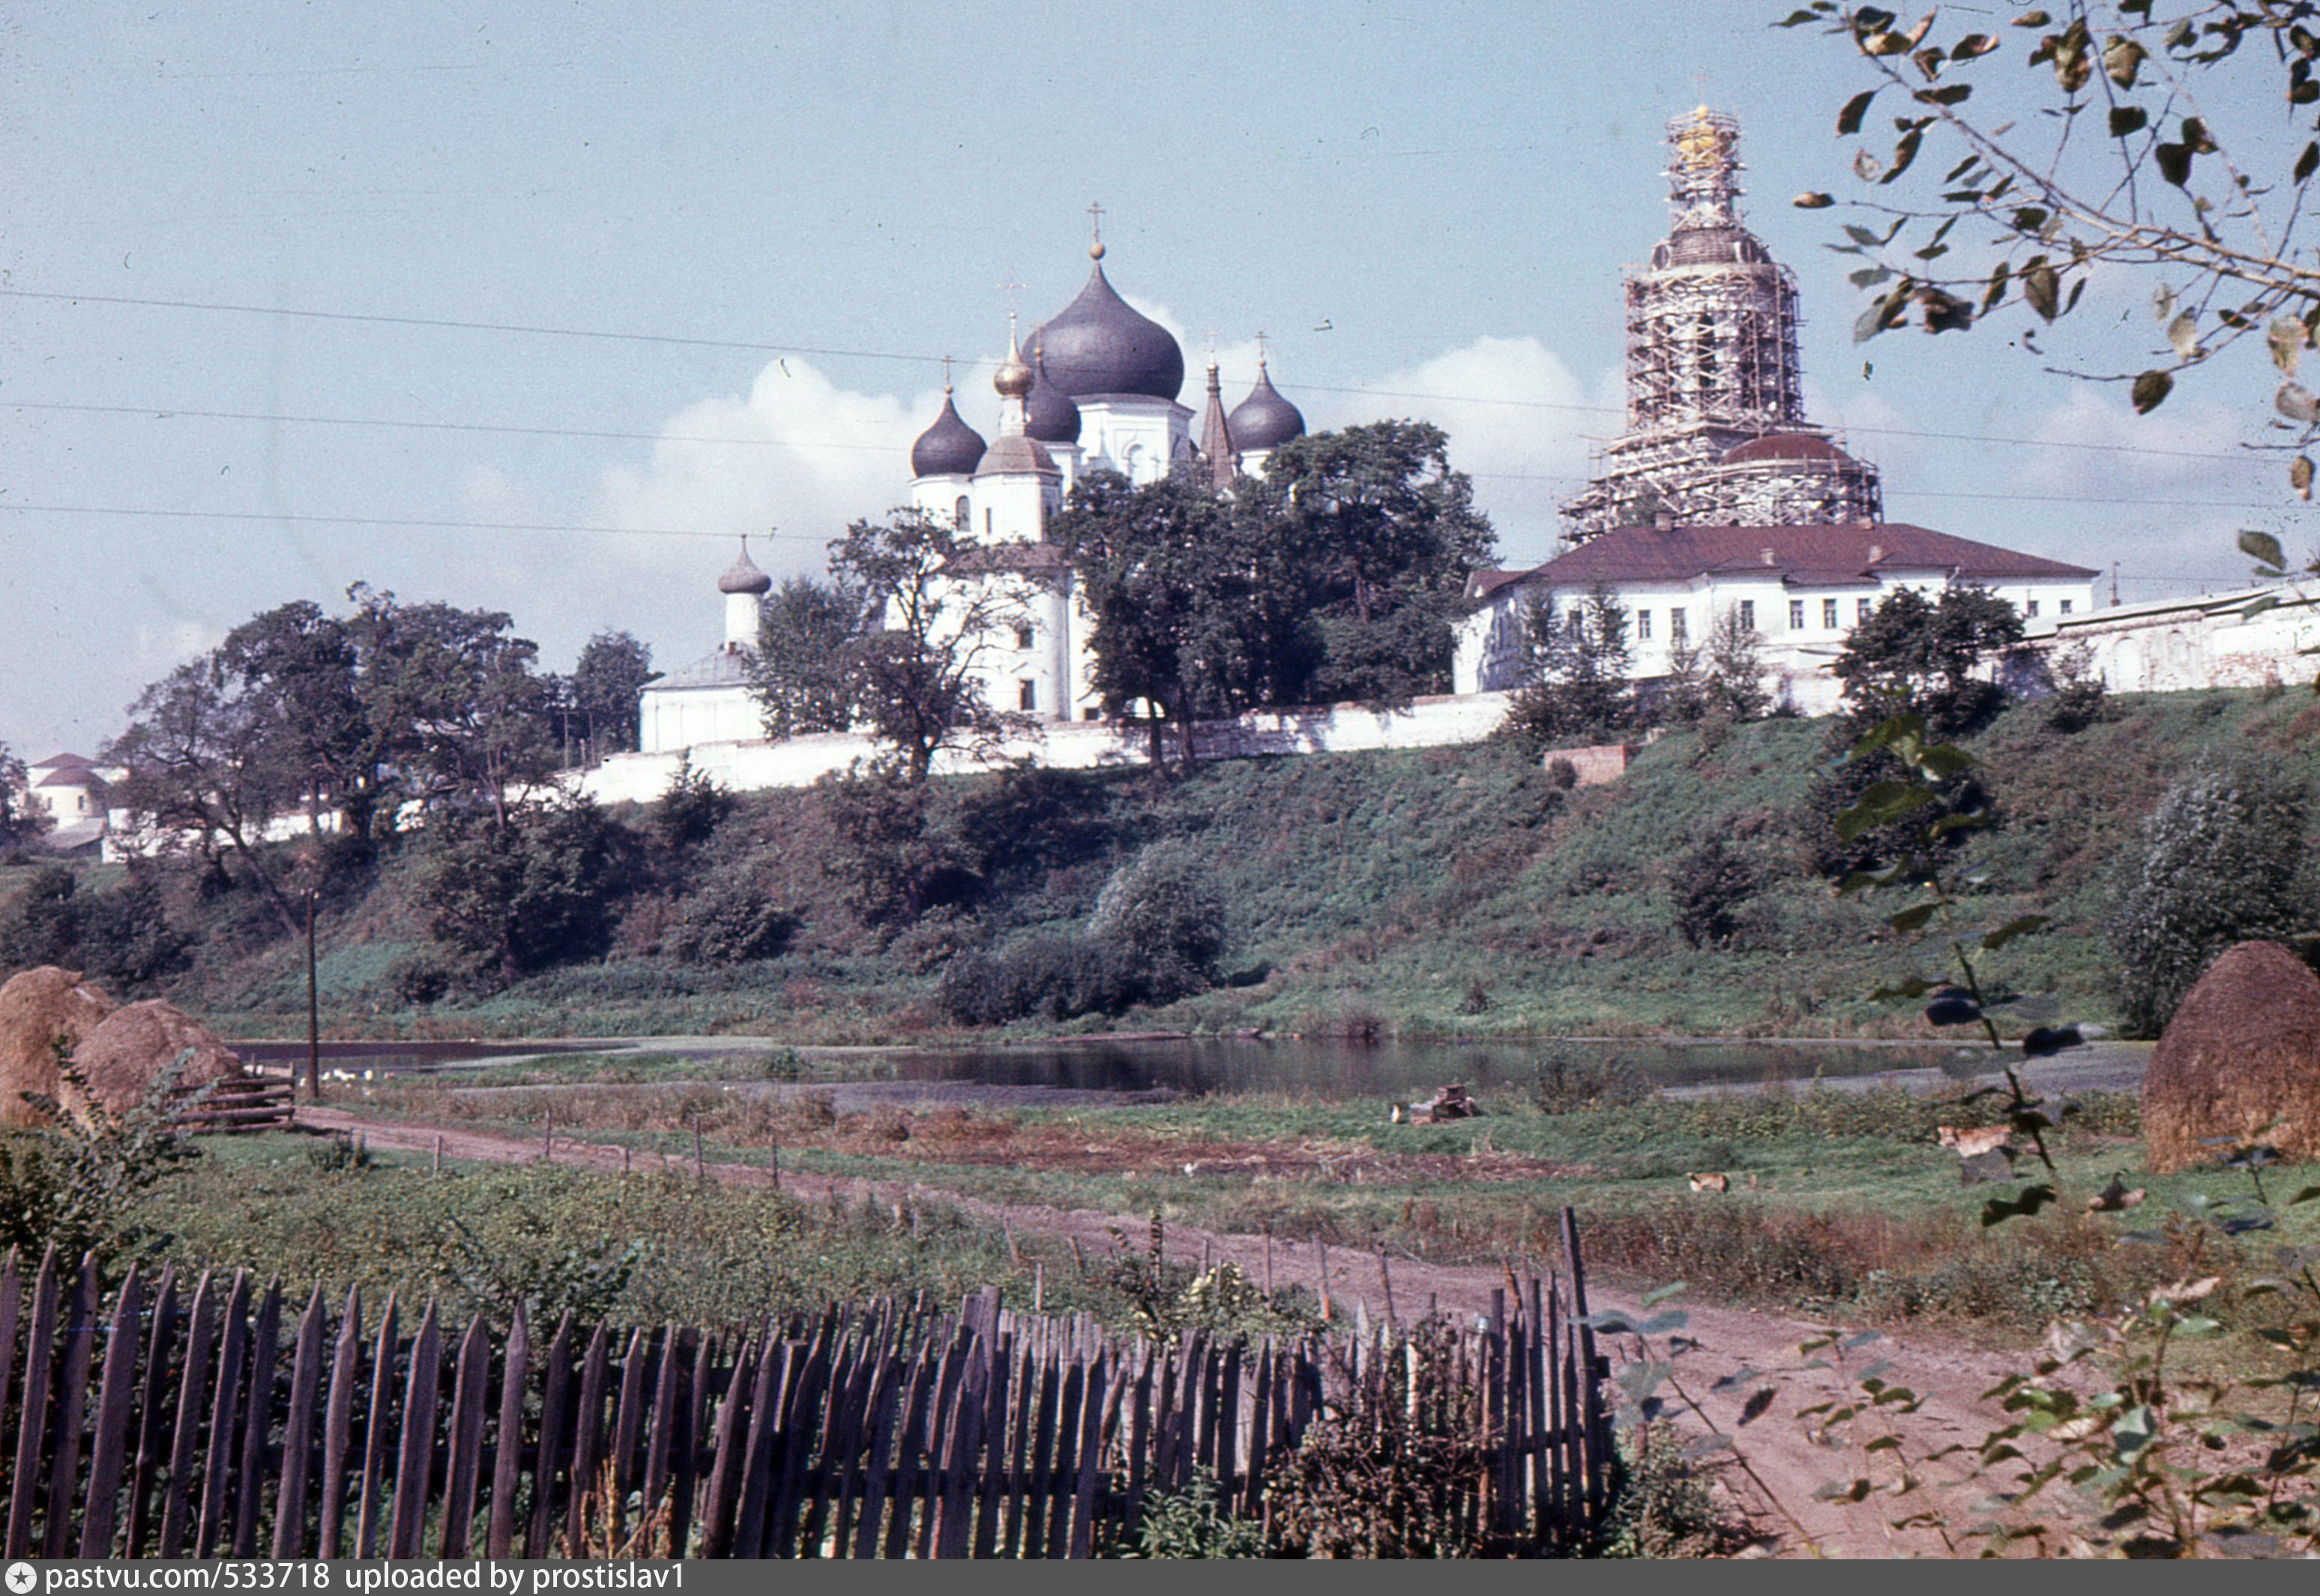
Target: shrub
{"points": [[1663, 1501], [77, 1185], [1706, 888], [2218, 864], [538, 891], [1191, 1523], [1162, 918], [731, 918], [1564, 1080], [1056, 975]]}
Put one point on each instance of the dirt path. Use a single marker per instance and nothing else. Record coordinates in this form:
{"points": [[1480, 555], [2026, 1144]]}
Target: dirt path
{"points": [[1778, 1447]]}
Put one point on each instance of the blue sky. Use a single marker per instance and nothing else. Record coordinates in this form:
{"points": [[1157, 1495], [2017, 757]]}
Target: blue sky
{"points": [[743, 237]]}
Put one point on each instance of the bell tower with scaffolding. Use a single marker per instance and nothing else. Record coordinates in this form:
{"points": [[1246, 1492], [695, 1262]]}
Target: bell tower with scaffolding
{"points": [[1716, 432]]}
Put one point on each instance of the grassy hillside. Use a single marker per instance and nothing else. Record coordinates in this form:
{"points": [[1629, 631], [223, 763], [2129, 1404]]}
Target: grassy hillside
{"points": [[1454, 891]]}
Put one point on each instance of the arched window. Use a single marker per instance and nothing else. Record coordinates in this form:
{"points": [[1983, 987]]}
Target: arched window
{"points": [[961, 514], [1027, 696]]}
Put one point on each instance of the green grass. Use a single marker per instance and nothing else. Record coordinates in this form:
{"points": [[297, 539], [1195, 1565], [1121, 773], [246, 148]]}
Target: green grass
{"points": [[1431, 893]]}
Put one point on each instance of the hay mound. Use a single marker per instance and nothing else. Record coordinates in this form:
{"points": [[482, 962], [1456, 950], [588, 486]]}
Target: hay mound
{"points": [[37, 1008], [2242, 1051], [120, 1057]]}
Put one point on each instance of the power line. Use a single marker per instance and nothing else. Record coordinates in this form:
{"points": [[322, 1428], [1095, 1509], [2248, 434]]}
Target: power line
{"points": [[394, 520], [832, 353]]}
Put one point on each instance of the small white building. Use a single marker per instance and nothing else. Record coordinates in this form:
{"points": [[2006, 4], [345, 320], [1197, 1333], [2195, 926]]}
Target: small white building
{"points": [[1801, 589], [709, 701]]}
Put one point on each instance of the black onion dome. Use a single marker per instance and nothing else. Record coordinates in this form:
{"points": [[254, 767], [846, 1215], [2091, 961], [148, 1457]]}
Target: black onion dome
{"points": [[1264, 420], [1097, 345], [1049, 414], [950, 448]]}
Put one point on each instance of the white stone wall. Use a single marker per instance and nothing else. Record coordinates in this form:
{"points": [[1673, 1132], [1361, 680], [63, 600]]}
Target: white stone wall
{"points": [[2250, 638], [1079, 744]]}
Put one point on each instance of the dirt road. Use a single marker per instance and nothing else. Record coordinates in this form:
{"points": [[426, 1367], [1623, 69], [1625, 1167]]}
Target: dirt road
{"points": [[1789, 1462]]}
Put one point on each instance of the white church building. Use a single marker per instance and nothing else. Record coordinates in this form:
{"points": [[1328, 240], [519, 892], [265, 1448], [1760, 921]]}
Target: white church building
{"points": [[1094, 388]]}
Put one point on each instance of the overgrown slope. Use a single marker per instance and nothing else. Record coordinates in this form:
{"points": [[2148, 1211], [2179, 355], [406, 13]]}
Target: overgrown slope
{"points": [[1451, 891]]}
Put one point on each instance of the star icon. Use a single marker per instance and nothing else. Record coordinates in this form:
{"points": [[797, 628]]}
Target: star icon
{"points": [[21, 1578]]}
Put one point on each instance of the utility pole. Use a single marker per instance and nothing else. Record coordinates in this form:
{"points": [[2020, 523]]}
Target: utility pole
{"points": [[314, 1008]]}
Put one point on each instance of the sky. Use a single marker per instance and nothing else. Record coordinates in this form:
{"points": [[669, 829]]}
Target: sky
{"points": [[536, 307]]}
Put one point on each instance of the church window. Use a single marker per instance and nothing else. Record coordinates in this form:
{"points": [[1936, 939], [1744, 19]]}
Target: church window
{"points": [[1022, 637], [1027, 696], [1675, 625], [1796, 614], [986, 522], [1643, 626], [2030, 608], [1574, 624], [1091, 713], [1747, 614], [2066, 606], [961, 516], [1828, 614]]}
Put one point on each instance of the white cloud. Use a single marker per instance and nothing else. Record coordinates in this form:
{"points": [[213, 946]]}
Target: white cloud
{"points": [[1518, 422], [798, 454]]}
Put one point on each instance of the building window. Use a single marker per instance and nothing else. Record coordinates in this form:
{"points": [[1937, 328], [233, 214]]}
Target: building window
{"points": [[1643, 626], [961, 516], [1796, 614], [986, 522], [1027, 696], [1675, 626], [2066, 606], [2030, 608], [1022, 637], [1860, 609], [1573, 624], [1747, 614], [1091, 713], [1828, 614]]}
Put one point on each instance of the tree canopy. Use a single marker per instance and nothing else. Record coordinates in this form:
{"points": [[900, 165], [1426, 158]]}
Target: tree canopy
{"points": [[612, 669], [1340, 574], [1925, 657], [802, 676], [2130, 138]]}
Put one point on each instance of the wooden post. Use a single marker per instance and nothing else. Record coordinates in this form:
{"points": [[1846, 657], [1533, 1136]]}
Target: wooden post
{"points": [[624, 1159], [313, 1008], [1079, 1257], [1038, 1287], [1268, 1261], [1323, 1243], [774, 1167], [547, 1142], [439, 1155], [700, 1165], [1385, 1280]]}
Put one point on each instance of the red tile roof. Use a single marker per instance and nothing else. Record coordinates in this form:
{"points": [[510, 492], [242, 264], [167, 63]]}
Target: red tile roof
{"points": [[1806, 555]]}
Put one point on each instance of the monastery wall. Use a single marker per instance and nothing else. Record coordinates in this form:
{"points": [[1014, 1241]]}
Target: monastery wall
{"points": [[1080, 745]]}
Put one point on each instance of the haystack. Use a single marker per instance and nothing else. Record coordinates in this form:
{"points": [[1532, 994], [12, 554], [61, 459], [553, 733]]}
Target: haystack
{"points": [[2242, 1052], [38, 1009], [120, 1058]]}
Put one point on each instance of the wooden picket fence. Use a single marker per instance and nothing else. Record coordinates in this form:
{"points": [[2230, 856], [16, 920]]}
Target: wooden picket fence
{"points": [[222, 1420]]}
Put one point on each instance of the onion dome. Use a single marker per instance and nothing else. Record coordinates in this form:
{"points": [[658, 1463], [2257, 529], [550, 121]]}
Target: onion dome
{"points": [[950, 448], [1264, 420], [743, 575], [1097, 345], [1049, 414]]}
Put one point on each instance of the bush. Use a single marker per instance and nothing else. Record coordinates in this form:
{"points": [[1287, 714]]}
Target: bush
{"points": [[1565, 1080], [1706, 888], [1056, 974], [1162, 918], [1190, 1524], [2218, 864], [1662, 1501], [77, 1185], [540, 890], [123, 938]]}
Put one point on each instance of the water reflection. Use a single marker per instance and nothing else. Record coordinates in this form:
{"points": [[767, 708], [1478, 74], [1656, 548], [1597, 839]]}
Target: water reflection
{"points": [[1338, 1068]]}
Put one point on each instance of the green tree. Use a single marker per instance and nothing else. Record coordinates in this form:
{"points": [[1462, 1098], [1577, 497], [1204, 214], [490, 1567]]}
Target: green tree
{"points": [[1386, 533], [802, 675], [2218, 863], [1927, 657], [1576, 681], [940, 606], [2127, 151], [301, 667], [1198, 611], [1733, 685], [536, 888], [209, 769], [21, 821], [612, 669]]}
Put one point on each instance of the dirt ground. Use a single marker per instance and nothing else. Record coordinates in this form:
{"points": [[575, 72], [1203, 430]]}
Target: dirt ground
{"points": [[1789, 1463]]}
